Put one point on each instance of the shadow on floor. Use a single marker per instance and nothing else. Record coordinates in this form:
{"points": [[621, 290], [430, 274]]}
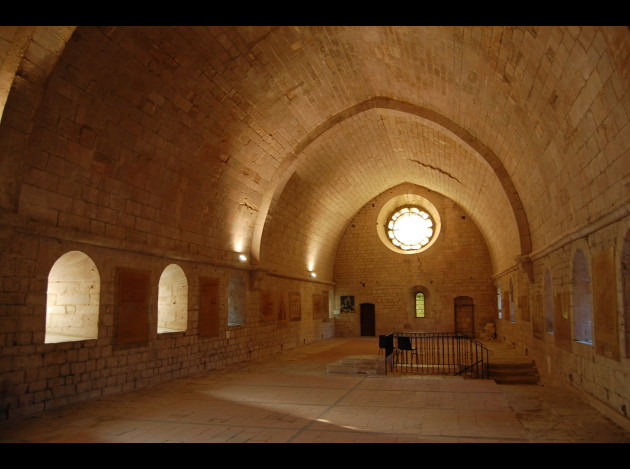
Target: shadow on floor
{"points": [[290, 398]]}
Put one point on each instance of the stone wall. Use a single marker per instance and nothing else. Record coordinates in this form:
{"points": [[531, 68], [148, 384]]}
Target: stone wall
{"points": [[600, 368], [457, 264], [37, 375]]}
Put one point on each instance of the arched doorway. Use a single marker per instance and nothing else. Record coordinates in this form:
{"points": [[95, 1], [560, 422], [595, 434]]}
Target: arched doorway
{"points": [[368, 319], [465, 315]]}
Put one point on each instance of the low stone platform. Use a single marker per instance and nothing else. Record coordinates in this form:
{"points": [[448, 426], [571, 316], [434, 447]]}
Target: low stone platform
{"points": [[353, 364]]}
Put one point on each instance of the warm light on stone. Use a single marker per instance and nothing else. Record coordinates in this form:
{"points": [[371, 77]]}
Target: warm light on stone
{"points": [[410, 228]]}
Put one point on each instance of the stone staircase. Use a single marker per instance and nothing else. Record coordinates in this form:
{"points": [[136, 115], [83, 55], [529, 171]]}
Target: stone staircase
{"points": [[508, 366], [513, 373], [353, 364]]}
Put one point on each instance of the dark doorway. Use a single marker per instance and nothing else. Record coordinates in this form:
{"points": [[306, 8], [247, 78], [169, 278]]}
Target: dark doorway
{"points": [[368, 322], [465, 315]]}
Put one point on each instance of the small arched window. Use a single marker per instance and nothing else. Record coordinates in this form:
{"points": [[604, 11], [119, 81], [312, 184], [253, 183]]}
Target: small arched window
{"points": [[499, 301], [72, 299], [582, 300], [548, 306], [420, 312], [172, 300]]}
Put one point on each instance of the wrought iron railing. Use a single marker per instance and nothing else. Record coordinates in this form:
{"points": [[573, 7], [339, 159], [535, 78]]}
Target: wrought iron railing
{"points": [[435, 353]]}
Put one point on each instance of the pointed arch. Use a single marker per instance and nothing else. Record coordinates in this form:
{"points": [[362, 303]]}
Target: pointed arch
{"points": [[289, 164]]}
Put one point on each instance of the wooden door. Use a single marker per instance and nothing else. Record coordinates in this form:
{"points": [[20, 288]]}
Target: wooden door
{"points": [[465, 315], [368, 320]]}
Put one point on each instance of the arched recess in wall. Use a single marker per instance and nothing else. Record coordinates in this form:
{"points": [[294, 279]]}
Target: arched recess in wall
{"points": [[499, 301], [72, 299], [548, 302], [512, 303], [582, 299], [237, 301], [464, 310], [625, 288], [172, 300], [289, 164]]}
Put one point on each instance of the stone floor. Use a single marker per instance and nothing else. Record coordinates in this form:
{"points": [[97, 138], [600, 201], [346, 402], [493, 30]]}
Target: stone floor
{"points": [[290, 398]]}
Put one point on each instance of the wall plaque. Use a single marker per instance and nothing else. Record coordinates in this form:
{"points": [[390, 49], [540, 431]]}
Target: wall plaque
{"points": [[317, 306], [605, 304], [132, 307], [266, 305], [209, 307]]}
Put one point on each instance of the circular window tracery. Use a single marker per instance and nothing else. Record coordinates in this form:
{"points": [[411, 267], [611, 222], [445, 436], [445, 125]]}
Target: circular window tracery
{"points": [[409, 197], [410, 228]]}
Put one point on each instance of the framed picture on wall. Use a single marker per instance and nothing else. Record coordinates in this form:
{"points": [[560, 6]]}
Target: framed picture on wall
{"points": [[347, 304]]}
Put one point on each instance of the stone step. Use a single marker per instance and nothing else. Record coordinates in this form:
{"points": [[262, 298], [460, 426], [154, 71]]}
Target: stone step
{"points": [[509, 369], [513, 373], [514, 364], [516, 380], [365, 364]]}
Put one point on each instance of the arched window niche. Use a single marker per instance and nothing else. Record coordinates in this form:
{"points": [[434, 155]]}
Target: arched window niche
{"points": [[548, 304], [418, 305], [420, 311], [72, 299], [499, 301], [172, 300], [512, 304], [582, 300]]}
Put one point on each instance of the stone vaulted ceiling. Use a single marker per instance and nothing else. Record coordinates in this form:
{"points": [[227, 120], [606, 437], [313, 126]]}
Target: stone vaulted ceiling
{"points": [[270, 139]]}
